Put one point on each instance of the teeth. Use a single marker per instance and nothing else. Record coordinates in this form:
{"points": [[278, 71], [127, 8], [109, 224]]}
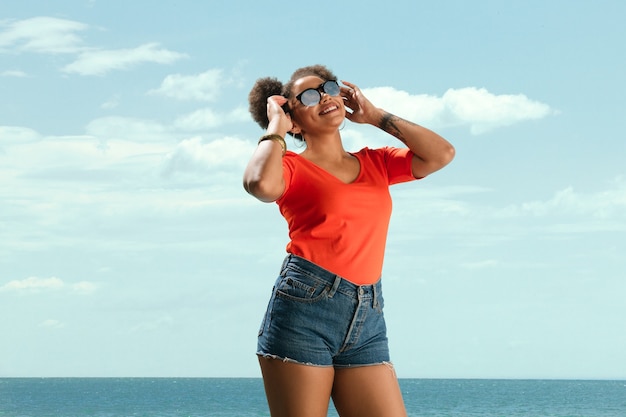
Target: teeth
{"points": [[329, 109]]}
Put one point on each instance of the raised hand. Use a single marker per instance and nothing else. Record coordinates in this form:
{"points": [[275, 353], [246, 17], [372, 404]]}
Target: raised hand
{"points": [[361, 110], [279, 121]]}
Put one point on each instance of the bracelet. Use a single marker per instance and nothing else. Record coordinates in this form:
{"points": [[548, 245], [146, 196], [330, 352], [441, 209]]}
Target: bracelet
{"points": [[277, 138]]}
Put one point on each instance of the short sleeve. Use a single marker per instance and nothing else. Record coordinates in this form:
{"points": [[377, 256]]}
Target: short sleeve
{"points": [[399, 164], [289, 166]]}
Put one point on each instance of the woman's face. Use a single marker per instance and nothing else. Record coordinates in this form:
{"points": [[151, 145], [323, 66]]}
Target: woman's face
{"points": [[327, 113]]}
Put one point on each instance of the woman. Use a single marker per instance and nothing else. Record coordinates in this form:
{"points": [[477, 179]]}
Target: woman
{"points": [[324, 333]]}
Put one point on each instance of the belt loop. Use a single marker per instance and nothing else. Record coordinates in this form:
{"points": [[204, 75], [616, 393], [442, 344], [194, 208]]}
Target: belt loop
{"points": [[333, 289], [284, 265], [375, 298]]}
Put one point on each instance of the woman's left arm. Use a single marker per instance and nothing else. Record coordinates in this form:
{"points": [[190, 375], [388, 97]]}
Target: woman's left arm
{"points": [[431, 152]]}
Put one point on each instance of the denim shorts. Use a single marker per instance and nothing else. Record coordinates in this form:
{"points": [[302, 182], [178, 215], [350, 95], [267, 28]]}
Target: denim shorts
{"points": [[315, 317]]}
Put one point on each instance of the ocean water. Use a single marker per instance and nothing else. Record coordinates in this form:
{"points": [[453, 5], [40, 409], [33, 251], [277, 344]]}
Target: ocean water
{"points": [[243, 397]]}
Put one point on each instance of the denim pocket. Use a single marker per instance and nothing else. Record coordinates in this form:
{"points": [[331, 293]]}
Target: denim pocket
{"points": [[303, 290]]}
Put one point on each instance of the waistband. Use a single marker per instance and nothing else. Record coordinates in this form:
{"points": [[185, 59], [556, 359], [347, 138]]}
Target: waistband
{"points": [[336, 282]]}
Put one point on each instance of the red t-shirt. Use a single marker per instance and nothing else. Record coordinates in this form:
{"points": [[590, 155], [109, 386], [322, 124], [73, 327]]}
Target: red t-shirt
{"points": [[343, 227]]}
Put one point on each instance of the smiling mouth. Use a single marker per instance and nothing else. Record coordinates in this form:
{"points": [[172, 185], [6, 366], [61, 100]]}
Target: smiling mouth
{"points": [[329, 109]]}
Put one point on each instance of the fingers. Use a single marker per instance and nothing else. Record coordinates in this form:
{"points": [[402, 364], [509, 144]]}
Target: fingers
{"points": [[352, 86], [361, 108], [277, 100], [276, 114], [276, 105], [348, 91], [350, 98]]}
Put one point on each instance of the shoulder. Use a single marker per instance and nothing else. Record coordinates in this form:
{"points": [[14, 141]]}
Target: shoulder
{"points": [[385, 152], [394, 162], [291, 159]]}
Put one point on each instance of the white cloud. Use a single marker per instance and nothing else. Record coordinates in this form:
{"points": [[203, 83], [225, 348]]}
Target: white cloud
{"points": [[13, 73], [42, 35], [208, 119], [199, 120], [84, 287], [128, 129], [29, 156], [200, 87], [52, 324], [102, 187], [567, 203], [17, 134], [355, 138], [193, 155], [476, 108], [567, 212], [489, 263], [33, 284], [484, 111], [156, 324], [99, 62], [36, 284], [112, 103], [58, 36]]}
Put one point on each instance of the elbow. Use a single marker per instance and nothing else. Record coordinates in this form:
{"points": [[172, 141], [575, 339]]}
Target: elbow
{"points": [[443, 158], [263, 190], [423, 167], [448, 155]]}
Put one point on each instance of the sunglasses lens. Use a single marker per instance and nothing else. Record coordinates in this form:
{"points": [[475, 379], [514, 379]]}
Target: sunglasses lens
{"points": [[310, 97], [331, 88]]}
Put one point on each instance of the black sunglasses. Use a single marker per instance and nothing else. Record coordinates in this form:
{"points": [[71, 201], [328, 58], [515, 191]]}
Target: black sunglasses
{"points": [[312, 96]]}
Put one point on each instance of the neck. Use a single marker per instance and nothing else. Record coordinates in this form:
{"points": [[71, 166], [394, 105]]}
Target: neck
{"points": [[326, 146]]}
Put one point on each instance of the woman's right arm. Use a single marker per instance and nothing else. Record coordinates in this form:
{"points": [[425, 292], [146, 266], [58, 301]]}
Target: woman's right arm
{"points": [[263, 177]]}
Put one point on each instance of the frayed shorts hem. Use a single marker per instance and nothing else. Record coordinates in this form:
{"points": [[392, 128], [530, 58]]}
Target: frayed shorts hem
{"points": [[336, 366]]}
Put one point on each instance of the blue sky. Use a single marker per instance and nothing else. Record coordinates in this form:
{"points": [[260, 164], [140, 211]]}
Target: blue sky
{"points": [[129, 247]]}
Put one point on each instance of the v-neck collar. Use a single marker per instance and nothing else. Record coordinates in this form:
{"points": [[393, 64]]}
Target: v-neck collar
{"points": [[332, 175]]}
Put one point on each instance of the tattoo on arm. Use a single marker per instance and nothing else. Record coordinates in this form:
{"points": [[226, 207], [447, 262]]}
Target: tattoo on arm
{"points": [[389, 123]]}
